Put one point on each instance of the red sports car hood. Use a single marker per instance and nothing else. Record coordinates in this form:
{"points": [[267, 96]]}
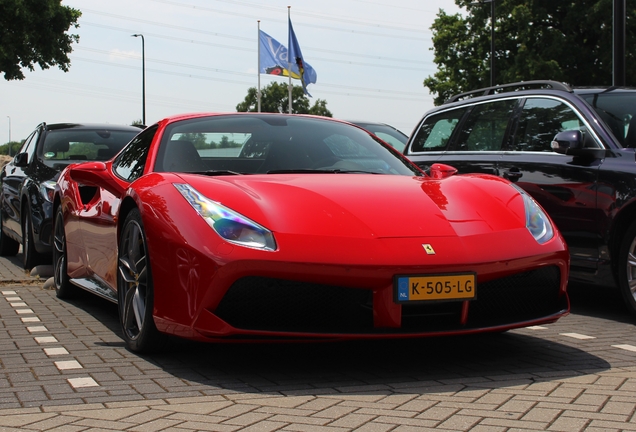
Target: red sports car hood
{"points": [[362, 205]]}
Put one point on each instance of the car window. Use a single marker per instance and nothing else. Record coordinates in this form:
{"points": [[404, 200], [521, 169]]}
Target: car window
{"points": [[29, 144], [540, 120], [391, 140], [436, 131], [485, 127], [268, 144], [64, 146], [618, 111], [131, 162], [386, 133]]}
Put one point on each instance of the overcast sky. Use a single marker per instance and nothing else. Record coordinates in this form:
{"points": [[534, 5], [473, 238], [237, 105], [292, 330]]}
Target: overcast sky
{"points": [[370, 56]]}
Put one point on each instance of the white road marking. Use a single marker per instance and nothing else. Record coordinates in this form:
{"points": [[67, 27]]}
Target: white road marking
{"points": [[82, 382], [45, 339], [37, 329], [24, 311], [577, 336], [626, 347], [55, 351], [68, 364]]}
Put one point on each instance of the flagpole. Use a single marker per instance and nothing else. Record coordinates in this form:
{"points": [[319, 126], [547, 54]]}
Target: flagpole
{"points": [[289, 68], [258, 69]]}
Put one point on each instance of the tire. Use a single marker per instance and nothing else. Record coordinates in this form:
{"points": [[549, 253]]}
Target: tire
{"points": [[627, 268], [135, 288], [64, 289], [8, 246], [30, 257]]}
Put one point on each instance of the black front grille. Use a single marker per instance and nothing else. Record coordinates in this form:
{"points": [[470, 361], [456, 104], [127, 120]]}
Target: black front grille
{"points": [[520, 297], [255, 303], [282, 305]]}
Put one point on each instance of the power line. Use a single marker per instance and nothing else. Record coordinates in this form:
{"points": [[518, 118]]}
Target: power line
{"points": [[330, 18], [203, 68], [234, 47], [255, 18]]}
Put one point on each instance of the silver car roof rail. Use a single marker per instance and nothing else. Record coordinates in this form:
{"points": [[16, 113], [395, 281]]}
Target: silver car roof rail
{"points": [[518, 86]]}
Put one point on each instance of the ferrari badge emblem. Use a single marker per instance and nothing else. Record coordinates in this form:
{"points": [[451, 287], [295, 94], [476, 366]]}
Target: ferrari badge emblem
{"points": [[429, 249]]}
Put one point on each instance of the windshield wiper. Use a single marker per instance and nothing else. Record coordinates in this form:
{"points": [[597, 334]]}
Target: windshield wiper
{"points": [[319, 171], [215, 172]]}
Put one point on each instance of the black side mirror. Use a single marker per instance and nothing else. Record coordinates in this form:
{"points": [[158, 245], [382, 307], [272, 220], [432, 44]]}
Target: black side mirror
{"points": [[576, 143], [21, 160]]}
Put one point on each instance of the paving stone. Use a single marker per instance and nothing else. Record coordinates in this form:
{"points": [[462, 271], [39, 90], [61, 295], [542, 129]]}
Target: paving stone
{"points": [[519, 381]]}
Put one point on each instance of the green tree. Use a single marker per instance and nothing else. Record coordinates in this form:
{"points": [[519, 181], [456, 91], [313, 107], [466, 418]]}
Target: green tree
{"points": [[534, 39], [10, 148], [198, 140], [275, 98], [34, 32]]}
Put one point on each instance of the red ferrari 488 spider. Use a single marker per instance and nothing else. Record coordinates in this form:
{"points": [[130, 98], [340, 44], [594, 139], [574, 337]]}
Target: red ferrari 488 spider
{"points": [[273, 227]]}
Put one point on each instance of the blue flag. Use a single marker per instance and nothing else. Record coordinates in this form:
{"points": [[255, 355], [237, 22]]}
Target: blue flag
{"points": [[306, 73], [274, 61]]}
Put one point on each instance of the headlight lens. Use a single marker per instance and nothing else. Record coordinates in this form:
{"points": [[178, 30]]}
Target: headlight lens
{"points": [[227, 223], [537, 222], [47, 190]]}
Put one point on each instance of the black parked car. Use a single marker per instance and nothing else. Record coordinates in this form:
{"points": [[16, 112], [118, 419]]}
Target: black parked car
{"points": [[28, 181], [387, 133], [572, 149]]}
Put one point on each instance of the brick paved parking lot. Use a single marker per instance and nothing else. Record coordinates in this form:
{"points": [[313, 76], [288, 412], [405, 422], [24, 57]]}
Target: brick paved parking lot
{"points": [[64, 367]]}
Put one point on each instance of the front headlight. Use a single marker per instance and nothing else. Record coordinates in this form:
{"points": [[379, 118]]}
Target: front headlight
{"points": [[537, 222], [230, 225], [47, 190]]}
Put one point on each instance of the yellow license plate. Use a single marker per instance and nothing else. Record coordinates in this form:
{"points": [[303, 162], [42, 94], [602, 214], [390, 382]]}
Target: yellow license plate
{"points": [[460, 286]]}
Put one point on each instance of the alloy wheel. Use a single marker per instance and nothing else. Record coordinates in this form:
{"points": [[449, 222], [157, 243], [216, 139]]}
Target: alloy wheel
{"points": [[134, 277]]}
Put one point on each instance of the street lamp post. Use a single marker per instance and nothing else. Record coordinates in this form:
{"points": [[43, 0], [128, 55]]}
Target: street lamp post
{"points": [[492, 42], [9, 135], [143, 78]]}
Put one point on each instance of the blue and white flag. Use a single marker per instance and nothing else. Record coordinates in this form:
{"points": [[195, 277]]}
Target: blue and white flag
{"points": [[274, 61], [306, 73]]}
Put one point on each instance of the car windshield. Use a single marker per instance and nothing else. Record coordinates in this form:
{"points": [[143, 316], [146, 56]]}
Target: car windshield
{"points": [[618, 109], [65, 146], [270, 143]]}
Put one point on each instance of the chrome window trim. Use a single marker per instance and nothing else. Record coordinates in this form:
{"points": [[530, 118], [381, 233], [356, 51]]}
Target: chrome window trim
{"points": [[598, 141]]}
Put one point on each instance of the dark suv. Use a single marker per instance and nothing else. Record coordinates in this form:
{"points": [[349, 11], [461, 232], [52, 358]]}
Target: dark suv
{"points": [[28, 181], [572, 149]]}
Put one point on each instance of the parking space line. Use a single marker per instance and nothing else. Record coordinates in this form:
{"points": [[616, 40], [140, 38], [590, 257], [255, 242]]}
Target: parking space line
{"points": [[55, 351], [82, 382], [68, 364], [577, 336], [626, 347], [17, 302], [45, 339], [24, 311]]}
